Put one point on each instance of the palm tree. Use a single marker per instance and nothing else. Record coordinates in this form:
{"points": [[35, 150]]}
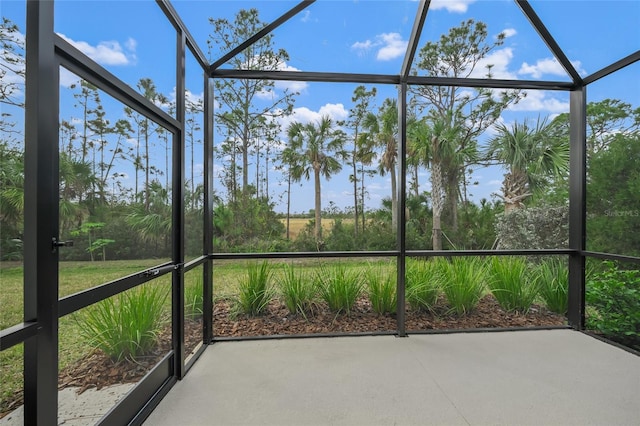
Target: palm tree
{"points": [[434, 145], [315, 143], [385, 127], [531, 154], [289, 158]]}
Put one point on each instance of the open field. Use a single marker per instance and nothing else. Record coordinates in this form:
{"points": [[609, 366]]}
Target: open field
{"points": [[297, 224]]}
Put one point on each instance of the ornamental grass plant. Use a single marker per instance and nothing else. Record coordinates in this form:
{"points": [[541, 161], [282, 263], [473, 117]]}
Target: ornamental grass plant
{"points": [[126, 326], [298, 291], [339, 287], [381, 289], [255, 291], [422, 280], [193, 298], [553, 275], [512, 283], [463, 283]]}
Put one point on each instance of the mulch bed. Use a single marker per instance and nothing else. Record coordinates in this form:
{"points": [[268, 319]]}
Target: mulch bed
{"points": [[98, 371], [278, 321]]}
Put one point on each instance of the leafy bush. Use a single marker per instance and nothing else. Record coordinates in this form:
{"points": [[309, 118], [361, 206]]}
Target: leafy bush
{"points": [[339, 287], [126, 325], [544, 227], [463, 283], [255, 291], [512, 284], [297, 291], [613, 299], [381, 285], [193, 298], [553, 275], [422, 279]]}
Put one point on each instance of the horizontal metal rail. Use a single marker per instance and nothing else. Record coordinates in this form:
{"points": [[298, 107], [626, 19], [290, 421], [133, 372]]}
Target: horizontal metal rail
{"points": [[331, 77], [608, 256], [77, 301], [195, 263], [219, 339], [394, 253], [482, 253], [298, 255], [17, 334]]}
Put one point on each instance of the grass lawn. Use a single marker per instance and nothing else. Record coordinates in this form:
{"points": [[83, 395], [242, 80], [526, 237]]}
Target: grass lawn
{"points": [[78, 276]]}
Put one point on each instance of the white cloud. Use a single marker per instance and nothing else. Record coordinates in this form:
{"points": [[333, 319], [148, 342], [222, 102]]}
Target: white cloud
{"points": [[539, 100], [67, 78], [293, 86], [305, 115], [499, 60], [494, 182], [306, 16], [335, 111], [362, 46], [107, 52], [389, 45], [454, 6], [394, 47], [548, 66], [509, 32]]}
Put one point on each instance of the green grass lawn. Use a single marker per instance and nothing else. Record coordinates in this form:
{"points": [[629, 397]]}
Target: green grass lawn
{"points": [[79, 276]]}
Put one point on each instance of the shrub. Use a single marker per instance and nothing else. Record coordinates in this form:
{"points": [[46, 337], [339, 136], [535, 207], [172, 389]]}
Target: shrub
{"points": [[463, 283], [543, 227], [422, 279], [255, 291], [553, 275], [339, 287], [381, 285], [512, 284], [297, 291], [613, 297], [126, 325], [193, 298]]}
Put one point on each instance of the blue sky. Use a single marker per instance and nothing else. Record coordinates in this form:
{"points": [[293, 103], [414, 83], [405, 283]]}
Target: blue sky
{"points": [[133, 40]]}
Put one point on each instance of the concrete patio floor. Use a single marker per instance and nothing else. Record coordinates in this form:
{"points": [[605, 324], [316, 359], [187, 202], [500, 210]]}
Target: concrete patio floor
{"points": [[555, 377]]}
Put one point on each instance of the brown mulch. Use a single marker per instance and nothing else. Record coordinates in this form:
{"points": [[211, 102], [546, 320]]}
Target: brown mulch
{"points": [[98, 371], [278, 321]]}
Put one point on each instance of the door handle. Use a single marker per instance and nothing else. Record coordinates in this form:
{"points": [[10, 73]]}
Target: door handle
{"points": [[55, 244]]}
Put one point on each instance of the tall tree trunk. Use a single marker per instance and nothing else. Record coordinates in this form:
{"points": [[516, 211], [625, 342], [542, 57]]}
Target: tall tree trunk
{"points": [[288, 205], [146, 166], [452, 189], [394, 196], [355, 190], [318, 232], [436, 198], [362, 193]]}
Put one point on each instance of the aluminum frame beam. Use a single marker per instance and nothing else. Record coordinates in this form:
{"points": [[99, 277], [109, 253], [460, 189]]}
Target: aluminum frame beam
{"points": [[414, 38], [178, 24], [331, 77], [263, 32], [41, 216], [539, 26], [577, 205], [618, 65]]}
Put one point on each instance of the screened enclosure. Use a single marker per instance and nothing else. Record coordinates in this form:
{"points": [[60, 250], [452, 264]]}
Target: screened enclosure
{"points": [[195, 166]]}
